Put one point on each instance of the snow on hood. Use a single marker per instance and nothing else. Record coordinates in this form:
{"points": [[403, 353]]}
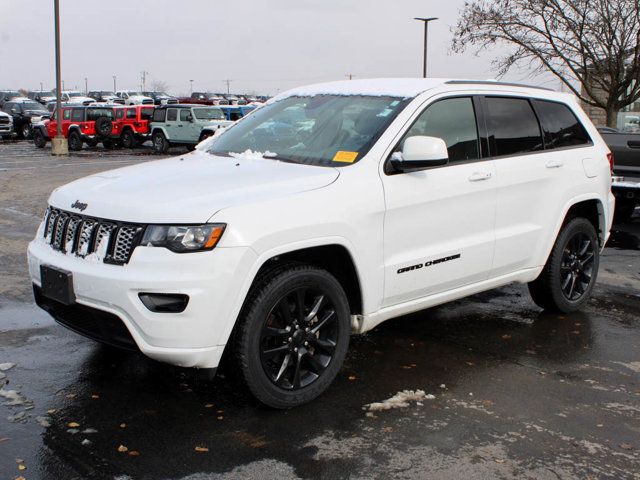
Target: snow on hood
{"points": [[188, 189], [379, 87]]}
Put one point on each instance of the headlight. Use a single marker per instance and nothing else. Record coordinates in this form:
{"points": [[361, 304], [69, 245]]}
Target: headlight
{"points": [[183, 238]]}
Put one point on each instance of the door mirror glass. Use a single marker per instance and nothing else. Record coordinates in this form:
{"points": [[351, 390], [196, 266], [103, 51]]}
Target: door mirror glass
{"points": [[419, 153]]}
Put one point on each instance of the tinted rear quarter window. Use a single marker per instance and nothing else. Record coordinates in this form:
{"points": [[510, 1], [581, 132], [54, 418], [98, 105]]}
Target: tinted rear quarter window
{"points": [[560, 125], [513, 126]]}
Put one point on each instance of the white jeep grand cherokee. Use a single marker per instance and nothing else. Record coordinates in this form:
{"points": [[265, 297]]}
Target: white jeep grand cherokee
{"points": [[328, 211]]}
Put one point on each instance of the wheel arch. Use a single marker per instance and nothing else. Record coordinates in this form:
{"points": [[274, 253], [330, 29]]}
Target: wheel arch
{"points": [[324, 253], [593, 210]]}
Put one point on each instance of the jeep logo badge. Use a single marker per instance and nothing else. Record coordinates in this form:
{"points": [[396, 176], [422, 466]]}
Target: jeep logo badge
{"points": [[79, 205]]}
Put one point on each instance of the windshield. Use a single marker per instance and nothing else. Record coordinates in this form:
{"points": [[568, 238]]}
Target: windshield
{"points": [[31, 106], [320, 130], [208, 113], [75, 94], [94, 113]]}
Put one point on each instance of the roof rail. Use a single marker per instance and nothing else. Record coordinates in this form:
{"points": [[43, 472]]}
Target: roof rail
{"points": [[492, 82]]}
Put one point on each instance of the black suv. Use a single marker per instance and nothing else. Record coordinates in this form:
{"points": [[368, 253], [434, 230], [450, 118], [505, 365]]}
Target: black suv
{"points": [[6, 95], [25, 113]]}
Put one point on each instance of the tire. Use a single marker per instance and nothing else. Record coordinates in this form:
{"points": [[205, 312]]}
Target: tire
{"points": [[39, 139], [569, 276], [204, 136], [75, 141], [103, 126], [128, 139], [160, 143], [26, 131], [289, 359], [624, 210]]}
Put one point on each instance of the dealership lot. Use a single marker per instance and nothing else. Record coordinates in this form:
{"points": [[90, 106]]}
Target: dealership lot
{"points": [[516, 393]]}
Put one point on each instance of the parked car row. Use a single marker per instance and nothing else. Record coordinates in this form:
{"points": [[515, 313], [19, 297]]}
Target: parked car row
{"points": [[131, 125], [209, 98]]}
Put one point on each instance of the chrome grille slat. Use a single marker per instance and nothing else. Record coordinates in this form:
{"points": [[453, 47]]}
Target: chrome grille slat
{"points": [[78, 235]]}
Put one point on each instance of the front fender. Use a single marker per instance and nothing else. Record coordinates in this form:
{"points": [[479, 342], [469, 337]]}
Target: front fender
{"points": [[265, 256]]}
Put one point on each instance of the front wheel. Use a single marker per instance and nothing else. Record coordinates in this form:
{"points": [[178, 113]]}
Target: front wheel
{"points": [[293, 335], [39, 139], [26, 131], [160, 143], [568, 278]]}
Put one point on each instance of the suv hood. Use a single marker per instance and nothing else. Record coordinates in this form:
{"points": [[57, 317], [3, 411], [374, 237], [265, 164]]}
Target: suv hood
{"points": [[187, 189]]}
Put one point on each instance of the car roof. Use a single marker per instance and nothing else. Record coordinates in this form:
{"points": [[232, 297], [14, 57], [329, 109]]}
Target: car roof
{"points": [[395, 87]]}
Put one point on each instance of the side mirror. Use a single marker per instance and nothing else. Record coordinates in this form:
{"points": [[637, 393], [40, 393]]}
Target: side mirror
{"points": [[420, 153], [13, 110]]}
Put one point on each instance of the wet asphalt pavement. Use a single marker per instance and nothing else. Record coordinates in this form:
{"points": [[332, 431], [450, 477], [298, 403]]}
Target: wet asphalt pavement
{"points": [[518, 393]]}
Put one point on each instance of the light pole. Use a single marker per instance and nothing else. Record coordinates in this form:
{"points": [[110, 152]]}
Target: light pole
{"points": [[426, 35], [114, 84], [59, 145], [191, 82], [86, 85]]}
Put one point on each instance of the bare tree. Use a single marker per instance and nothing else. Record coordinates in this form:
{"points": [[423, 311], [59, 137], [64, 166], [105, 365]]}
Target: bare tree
{"points": [[159, 86], [596, 42]]}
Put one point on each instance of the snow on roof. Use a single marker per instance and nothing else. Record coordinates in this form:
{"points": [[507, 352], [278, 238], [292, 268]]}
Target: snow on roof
{"points": [[380, 87]]}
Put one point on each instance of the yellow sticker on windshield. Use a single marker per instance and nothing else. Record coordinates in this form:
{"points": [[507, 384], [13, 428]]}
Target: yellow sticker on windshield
{"points": [[345, 157]]}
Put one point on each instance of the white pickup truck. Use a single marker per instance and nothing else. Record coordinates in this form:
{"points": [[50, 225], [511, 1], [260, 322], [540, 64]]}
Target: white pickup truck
{"points": [[324, 213]]}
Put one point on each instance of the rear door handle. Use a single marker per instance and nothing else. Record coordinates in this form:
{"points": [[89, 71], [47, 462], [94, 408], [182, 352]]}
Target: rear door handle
{"points": [[554, 164], [480, 176], [633, 144]]}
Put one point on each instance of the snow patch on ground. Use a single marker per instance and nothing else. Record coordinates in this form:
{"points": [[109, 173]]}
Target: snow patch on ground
{"points": [[399, 400], [633, 366]]}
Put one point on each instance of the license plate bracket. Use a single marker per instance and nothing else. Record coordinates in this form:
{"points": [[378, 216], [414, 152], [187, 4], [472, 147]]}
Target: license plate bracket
{"points": [[57, 285]]}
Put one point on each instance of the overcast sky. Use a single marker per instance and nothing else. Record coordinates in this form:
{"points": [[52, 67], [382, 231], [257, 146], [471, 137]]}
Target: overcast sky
{"points": [[262, 46]]}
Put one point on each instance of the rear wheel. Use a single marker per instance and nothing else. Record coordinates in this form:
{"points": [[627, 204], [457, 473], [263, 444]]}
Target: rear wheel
{"points": [[128, 139], [26, 131], [293, 335], [39, 139], [160, 143], [568, 278], [75, 141]]}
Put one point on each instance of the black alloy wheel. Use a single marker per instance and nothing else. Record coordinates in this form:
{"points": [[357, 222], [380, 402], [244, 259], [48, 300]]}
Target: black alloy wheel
{"points": [[75, 141], [292, 334], [576, 270], [299, 338], [568, 278]]}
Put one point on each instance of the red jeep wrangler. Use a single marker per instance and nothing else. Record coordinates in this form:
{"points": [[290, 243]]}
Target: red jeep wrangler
{"points": [[80, 124], [133, 124]]}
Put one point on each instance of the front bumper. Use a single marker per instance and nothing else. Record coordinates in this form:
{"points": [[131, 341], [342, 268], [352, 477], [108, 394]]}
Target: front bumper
{"points": [[192, 338]]}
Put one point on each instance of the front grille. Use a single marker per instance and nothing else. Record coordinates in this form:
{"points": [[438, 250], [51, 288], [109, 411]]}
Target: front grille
{"points": [[147, 102], [81, 236], [4, 120]]}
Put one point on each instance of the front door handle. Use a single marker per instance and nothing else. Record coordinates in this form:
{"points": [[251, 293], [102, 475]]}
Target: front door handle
{"points": [[554, 164], [480, 176]]}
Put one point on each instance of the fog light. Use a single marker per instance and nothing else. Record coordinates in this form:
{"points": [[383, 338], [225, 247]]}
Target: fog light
{"points": [[164, 302]]}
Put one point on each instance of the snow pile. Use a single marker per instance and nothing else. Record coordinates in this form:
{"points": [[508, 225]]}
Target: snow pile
{"points": [[251, 155], [381, 87], [13, 396], [399, 400]]}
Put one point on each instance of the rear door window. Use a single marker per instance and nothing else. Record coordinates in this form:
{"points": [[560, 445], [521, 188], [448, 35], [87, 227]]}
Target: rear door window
{"points": [[172, 115], [560, 126], [513, 126], [184, 115], [77, 115], [131, 113]]}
